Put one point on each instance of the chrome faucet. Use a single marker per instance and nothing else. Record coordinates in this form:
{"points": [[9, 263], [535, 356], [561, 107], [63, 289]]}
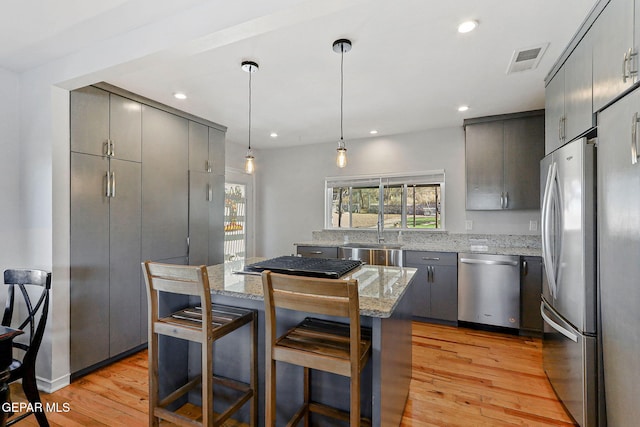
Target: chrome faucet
{"points": [[380, 228]]}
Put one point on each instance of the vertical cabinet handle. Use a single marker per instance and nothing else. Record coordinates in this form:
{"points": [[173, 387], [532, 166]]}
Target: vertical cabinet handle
{"points": [[634, 140], [108, 192], [628, 71], [108, 148], [506, 200], [207, 166], [113, 184], [113, 146], [525, 268], [209, 193]]}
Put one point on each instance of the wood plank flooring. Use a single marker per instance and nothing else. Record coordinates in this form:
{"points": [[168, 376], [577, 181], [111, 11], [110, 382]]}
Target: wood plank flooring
{"points": [[461, 377]]}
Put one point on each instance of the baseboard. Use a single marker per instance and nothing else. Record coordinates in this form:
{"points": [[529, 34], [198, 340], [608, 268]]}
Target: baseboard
{"points": [[49, 386]]}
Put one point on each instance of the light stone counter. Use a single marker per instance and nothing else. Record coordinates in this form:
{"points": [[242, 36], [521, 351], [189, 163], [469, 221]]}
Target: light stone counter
{"points": [[380, 288], [523, 245]]}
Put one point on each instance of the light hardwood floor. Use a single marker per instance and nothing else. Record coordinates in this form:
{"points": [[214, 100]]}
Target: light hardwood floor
{"points": [[461, 377]]}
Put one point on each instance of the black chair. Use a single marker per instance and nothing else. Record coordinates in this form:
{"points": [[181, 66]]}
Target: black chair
{"points": [[35, 319]]}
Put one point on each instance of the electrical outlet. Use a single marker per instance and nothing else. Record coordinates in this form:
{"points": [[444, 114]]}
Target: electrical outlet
{"points": [[468, 225], [533, 225]]}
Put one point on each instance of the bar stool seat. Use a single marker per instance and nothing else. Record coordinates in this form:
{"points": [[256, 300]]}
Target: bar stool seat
{"points": [[196, 325], [324, 345]]}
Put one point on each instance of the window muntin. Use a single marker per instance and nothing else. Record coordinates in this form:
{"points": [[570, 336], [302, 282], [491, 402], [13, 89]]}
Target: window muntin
{"points": [[406, 201]]}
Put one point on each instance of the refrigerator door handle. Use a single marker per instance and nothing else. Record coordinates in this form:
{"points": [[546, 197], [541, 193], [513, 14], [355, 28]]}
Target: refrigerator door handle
{"points": [[545, 223], [567, 333], [634, 139]]}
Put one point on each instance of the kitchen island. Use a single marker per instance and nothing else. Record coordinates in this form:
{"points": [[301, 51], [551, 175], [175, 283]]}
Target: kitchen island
{"points": [[385, 307]]}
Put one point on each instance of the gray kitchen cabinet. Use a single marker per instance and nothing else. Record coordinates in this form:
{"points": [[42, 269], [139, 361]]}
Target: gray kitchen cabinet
{"points": [[530, 294], [165, 183], [435, 292], [569, 100], [105, 124], [89, 254], [615, 59], [105, 258], [206, 195], [502, 155], [318, 251]]}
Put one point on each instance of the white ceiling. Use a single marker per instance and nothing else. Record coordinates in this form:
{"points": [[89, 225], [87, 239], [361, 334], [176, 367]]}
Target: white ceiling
{"points": [[408, 70]]}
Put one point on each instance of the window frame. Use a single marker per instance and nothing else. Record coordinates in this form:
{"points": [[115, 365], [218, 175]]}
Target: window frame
{"points": [[403, 180]]}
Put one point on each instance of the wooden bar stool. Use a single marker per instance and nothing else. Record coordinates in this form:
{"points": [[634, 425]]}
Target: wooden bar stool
{"points": [[329, 346], [196, 325]]}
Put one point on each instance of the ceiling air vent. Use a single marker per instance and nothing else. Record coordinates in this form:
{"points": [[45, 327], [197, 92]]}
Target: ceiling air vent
{"points": [[526, 59]]}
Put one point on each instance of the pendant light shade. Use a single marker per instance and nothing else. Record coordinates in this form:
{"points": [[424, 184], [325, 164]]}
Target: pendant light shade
{"points": [[341, 46], [249, 160]]}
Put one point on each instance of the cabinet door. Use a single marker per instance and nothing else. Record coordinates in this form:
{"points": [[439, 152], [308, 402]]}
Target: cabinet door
{"points": [[578, 90], [484, 164], [89, 253], [530, 294], [523, 150], [89, 120], [198, 147], [125, 128], [124, 247], [444, 293], [200, 195], [421, 295], [554, 112], [216, 220], [216, 150], [612, 39], [165, 183]]}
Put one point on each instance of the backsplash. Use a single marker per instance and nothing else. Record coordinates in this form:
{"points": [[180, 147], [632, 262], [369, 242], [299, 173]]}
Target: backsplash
{"points": [[417, 238]]}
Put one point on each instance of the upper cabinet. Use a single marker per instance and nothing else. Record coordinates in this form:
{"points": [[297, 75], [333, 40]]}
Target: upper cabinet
{"points": [[105, 124], [502, 156], [615, 54], [568, 98]]}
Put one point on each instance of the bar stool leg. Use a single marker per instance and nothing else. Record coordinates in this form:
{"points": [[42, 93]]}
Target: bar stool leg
{"points": [[355, 401], [254, 371], [270, 393], [153, 380], [307, 395]]}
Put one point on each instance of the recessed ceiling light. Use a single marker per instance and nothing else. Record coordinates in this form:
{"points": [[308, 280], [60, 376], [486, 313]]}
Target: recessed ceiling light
{"points": [[180, 95], [373, 132], [273, 135], [467, 26], [463, 108]]}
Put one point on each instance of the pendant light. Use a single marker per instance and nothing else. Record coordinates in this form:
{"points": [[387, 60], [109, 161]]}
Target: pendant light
{"points": [[341, 46], [249, 166]]}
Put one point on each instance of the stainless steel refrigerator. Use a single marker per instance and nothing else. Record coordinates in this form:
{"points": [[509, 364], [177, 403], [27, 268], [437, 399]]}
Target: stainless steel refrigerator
{"points": [[619, 267], [569, 300]]}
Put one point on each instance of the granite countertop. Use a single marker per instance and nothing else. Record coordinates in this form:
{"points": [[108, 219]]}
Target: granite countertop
{"points": [[439, 242], [379, 287]]}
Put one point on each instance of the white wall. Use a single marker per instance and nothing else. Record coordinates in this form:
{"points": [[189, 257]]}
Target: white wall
{"points": [[290, 185], [11, 238]]}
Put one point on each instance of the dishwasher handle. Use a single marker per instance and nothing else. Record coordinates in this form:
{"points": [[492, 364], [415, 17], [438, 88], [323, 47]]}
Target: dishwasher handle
{"points": [[488, 262]]}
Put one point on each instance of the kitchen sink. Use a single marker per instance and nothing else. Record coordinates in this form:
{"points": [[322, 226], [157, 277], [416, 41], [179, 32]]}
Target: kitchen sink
{"points": [[372, 253]]}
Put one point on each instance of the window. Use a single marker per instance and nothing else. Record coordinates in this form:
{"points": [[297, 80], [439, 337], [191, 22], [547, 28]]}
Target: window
{"points": [[393, 201]]}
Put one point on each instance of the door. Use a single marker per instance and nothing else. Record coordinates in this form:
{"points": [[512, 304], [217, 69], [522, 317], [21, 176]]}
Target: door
{"points": [[238, 189], [523, 149], [612, 39], [165, 183], [484, 150], [569, 360], [200, 197], [89, 121], [619, 237], [578, 88], [125, 128], [554, 112], [444, 292], [89, 281], [568, 231], [124, 253]]}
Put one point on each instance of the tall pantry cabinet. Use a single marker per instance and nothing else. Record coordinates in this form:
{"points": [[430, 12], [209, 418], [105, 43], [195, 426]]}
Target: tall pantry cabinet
{"points": [[105, 225], [133, 199]]}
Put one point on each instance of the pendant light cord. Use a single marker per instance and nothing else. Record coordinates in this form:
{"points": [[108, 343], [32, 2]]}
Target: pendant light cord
{"points": [[250, 73], [341, 88]]}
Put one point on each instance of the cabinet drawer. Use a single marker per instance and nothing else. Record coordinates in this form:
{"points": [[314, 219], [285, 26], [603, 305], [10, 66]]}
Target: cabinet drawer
{"points": [[417, 258], [318, 251]]}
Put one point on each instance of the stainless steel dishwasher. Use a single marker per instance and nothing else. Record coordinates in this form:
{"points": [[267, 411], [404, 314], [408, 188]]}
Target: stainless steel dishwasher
{"points": [[489, 289]]}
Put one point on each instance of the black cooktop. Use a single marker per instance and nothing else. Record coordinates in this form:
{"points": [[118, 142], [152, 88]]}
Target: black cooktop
{"points": [[303, 266]]}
